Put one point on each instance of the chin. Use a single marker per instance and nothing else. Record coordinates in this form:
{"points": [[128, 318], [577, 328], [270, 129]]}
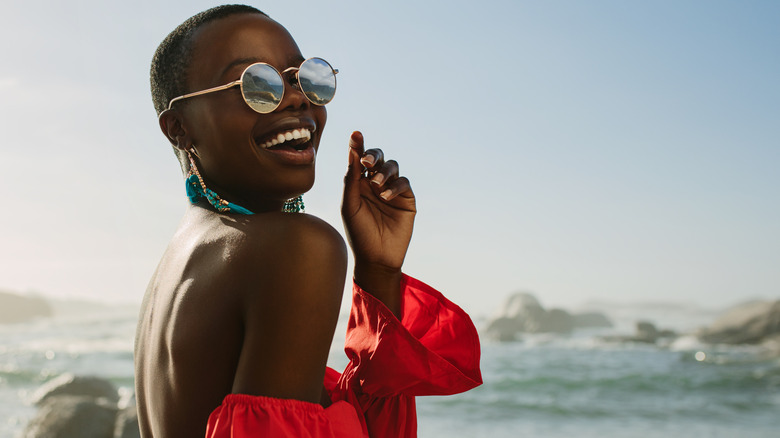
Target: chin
{"points": [[300, 184]]}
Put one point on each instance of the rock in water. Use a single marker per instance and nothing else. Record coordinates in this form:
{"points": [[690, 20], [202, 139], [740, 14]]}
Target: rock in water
{"points": [[68, 384], [82, 406], [526, 311], [522, 304], [522, 313], [557, 321], [646, 332], [17, 308], [504, 329], [591, 320], [749, 323], [69, 416], [127, 423]]}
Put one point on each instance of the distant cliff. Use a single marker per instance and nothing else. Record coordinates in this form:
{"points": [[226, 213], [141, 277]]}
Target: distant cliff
{"points": [[753, 322], [522, 313], [19, 308]]}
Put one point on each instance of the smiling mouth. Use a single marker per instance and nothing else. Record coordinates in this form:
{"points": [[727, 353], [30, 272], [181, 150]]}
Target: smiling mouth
{"points": [[297, 139]]}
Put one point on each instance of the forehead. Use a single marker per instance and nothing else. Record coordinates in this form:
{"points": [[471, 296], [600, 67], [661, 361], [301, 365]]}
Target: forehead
{"points": [[220, 43]]}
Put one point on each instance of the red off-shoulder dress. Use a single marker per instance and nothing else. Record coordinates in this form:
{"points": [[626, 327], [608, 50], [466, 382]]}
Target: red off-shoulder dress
{"points": [[432, 350]]}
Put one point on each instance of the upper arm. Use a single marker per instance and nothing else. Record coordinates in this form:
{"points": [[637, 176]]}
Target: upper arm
{"points": [[292, 294]]}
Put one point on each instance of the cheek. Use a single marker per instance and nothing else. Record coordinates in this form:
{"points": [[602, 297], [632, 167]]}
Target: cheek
{"points": [[223, 144], [202, 128], [220, 119], [221, 134], [321, 117], [324, 116]]}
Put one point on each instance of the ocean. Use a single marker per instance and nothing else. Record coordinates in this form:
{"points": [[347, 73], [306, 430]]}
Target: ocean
{"points": [[543, 386]]}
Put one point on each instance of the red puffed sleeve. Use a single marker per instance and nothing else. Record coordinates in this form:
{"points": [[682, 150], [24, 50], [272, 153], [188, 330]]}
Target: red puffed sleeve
{"points": [[432, 350]]}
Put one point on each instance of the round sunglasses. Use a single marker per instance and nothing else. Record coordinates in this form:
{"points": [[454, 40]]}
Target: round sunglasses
{"points": [[262, 86]]}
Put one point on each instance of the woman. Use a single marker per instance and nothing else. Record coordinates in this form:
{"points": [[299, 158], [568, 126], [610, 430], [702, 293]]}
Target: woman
{"points": [[238, 319]]}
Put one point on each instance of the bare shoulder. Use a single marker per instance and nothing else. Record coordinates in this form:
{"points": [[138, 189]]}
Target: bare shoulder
{"points": [[238, 304], [279, 237], [289, 271], [245, 253], [262, 253]]}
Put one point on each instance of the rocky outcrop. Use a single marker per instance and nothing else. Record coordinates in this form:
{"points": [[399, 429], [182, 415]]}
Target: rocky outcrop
{"points": [[17, 308], [748, 323], [504, 329], [645, 332], [81, 406], [126, 425], [591, 320], [73, 416], [68, 384], [522, 313]]}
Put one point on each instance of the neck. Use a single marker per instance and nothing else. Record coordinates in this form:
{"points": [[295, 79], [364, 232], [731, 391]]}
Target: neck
{"points": [[197, 191]]}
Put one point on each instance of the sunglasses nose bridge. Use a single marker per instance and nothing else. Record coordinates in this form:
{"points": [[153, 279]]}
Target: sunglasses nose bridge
{"points": [[292, 90], [290, 75]]}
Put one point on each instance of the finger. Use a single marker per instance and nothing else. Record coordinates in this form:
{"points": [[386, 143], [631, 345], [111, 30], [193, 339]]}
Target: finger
{"points": [[350, 203], [399, 187], [373, 159], [355, 168], [356, 142], [388, 171]]}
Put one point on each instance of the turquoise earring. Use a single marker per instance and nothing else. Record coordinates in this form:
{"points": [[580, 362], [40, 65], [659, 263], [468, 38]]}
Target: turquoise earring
{"points": [[197, 190]]}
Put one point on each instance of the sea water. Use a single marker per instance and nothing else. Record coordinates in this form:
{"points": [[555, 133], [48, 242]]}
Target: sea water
{"points": [[542, 386]]}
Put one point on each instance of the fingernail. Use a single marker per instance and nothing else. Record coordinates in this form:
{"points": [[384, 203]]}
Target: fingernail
{"points": [[378, 179], [368, 160], [386, 194]]}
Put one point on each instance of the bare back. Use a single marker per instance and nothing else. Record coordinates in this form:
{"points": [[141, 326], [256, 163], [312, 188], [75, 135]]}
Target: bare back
{"points": [[237, 304]]}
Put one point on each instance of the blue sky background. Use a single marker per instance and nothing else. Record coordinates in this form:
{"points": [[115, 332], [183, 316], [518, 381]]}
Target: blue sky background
{"points": [[625, 151]]}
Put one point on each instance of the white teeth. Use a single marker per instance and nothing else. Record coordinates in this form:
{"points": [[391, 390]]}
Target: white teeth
{"points": [[282, 137]]}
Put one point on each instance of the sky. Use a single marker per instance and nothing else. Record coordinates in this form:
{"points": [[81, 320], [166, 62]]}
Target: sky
{"points": [[582, 151]]}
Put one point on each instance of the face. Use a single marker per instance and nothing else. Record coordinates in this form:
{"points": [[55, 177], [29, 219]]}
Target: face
{"points": [[236, 154]]}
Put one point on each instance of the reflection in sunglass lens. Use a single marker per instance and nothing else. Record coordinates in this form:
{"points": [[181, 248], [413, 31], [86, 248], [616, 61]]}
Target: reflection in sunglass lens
{"points": [[262, 88], [317, 80]]}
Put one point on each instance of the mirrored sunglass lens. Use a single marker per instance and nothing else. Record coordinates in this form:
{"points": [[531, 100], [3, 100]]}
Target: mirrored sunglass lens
{"points": [[318, 81], [262, 87]]}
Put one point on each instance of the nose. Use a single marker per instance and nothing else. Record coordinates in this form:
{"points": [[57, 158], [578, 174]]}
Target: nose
{"points": [[293, 98]]}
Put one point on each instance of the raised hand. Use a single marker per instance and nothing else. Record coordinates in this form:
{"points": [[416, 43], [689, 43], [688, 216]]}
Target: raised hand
{"points": [[378, 210]]}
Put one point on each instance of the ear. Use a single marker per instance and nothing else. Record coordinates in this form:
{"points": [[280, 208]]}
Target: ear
{"points": [[172, 125]]}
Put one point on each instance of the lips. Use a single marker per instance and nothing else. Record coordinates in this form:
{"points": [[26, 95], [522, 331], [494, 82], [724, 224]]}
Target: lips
{"points": [[289, 140]]}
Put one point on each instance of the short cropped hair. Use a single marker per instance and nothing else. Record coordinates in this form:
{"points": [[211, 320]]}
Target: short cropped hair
{"points": [[171, 60]]}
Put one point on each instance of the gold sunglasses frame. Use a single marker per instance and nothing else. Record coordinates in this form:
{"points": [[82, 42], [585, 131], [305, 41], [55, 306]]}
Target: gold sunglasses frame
{"points": [[239, 82]]}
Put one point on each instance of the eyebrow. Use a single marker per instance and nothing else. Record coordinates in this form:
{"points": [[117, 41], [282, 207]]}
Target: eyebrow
{"points": [[294, 60], [239, 61]]}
